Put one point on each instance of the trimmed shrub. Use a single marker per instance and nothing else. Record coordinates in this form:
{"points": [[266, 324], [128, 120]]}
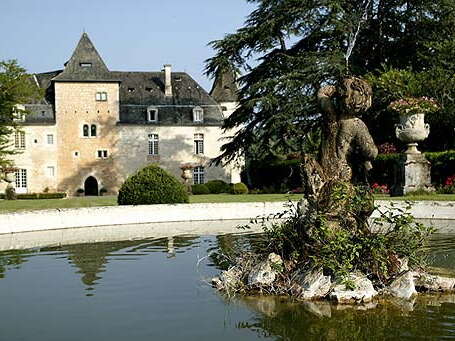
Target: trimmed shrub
{"points": [[57, 195], [152, 185], [200, 189], [217, 186], [239, 188], [35, 196]]}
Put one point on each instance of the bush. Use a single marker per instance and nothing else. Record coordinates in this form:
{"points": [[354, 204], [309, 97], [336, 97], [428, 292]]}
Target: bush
{"points": [[304, 238], [217, 186], [275, 176], [442, 166], [152, 185], [200, 189], [239, 188]]}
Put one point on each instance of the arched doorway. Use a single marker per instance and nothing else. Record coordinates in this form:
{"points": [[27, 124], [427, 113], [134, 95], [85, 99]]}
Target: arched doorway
{"points": [[91, 186]]}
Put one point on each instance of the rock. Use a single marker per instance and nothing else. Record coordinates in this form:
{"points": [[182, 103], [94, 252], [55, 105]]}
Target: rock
{"points": [[313, 284], [403, 286], [426, 282], [265, 272], [229, 280], [363, 292], [320, 309], [403, 264]]}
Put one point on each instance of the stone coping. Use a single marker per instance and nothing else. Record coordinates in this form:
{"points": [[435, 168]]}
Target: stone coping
{"points": [[71, 218]]}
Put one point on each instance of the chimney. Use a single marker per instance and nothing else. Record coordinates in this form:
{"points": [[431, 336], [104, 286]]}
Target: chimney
{"points": [[167, 80]]}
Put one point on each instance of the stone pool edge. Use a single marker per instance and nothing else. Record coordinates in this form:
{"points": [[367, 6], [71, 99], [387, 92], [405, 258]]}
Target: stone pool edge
{"points": [[55, 219]]}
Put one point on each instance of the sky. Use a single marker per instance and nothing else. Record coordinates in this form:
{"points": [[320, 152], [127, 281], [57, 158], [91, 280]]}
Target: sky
{"points": [[130, 35]]}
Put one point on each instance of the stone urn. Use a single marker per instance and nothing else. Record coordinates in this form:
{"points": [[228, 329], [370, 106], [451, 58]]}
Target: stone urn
{"points": [[10, 177], [412, 129]]}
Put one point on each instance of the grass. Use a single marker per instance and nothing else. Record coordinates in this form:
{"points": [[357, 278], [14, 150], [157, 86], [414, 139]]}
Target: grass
{"points": [[25, 205], [44, 204]]}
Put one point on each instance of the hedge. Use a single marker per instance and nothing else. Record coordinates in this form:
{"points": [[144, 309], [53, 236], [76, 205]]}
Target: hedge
{"points": [[217, 186], [34, 196], [442, 166], [200, 189], [152, 185]]}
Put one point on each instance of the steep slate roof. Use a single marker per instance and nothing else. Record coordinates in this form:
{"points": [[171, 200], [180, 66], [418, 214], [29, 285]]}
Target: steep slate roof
{"points": [[225, 87], [85, 54], [138, 91]]}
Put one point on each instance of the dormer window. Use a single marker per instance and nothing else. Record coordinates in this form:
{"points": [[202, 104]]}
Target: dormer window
{"points": [[131, 89], [101, 96], [85, 65], [152, 114], [198, 114]]}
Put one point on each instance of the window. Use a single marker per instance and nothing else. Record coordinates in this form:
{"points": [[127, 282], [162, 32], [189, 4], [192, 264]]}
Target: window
{"points": [[101, 96], [152, 115], [131, 89], [19, 140], [198, 114], [50, 171], [50, 139], [153, 144], [198, 175], [102, 154], [87, 65], [89, 130], [21, 178], [198, 143]]}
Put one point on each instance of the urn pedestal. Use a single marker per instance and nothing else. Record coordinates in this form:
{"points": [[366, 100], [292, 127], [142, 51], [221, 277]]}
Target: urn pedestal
{"points": [[413, 171]]}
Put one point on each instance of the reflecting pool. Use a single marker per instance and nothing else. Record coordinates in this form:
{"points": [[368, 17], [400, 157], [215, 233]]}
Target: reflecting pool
{"points": [[158, 289]]}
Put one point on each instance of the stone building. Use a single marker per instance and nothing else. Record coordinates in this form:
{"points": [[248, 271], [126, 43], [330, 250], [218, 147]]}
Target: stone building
{"points": [[95, 126]]}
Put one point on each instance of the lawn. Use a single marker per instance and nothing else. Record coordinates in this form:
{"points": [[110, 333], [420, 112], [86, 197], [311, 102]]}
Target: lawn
{"points": [[23, 205]]}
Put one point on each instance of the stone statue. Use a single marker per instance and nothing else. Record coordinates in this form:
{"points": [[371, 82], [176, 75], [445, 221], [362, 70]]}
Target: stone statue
{"points": [[347, 147]]}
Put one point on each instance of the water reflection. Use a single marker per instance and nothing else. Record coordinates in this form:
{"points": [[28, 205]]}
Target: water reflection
{"points": [[149, 286], [11, 260], [428, 317], [91, 260]]}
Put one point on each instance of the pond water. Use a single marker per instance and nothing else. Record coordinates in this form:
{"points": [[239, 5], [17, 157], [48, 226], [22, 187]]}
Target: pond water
{"points": [[157, 289]]}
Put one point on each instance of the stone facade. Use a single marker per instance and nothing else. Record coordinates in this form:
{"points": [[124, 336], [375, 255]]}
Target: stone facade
{"points": [[101, 124]]}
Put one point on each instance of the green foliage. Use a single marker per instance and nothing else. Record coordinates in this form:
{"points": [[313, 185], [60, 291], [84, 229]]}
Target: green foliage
{"points": [[239, 188], [274, 175], [288, 48], [391, 84], [200, 189], [217, 186], [442, 166], [32, 196], [152, 185], [16, 87], [312, 238]]}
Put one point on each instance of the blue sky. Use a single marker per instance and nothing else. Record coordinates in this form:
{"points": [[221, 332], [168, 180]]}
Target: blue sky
{"points": [[134, 35]]}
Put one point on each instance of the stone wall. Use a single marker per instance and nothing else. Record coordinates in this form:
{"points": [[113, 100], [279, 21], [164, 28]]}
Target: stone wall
{"points": [[37, 156], [75, 105]]}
